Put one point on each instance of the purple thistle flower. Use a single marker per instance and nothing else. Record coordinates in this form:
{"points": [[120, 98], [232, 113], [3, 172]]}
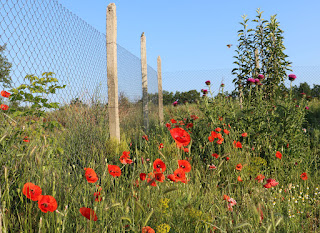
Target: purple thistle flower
{"points": [[251, 80], [260, 76], [175, 103], [208, 82], [292, 77]]}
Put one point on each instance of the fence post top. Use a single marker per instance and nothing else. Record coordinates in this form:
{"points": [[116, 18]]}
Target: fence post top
{"points": [[142, 34], [111, 6]]}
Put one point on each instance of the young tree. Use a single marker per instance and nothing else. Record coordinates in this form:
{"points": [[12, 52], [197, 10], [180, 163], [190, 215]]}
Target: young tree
{"points": [[5, 67]]}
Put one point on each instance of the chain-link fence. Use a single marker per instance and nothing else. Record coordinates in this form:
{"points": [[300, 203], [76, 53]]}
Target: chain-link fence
{"points": [[43, 36]]}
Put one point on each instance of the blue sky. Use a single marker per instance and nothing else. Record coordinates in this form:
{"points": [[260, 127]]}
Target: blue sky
{"points": [[192, 36]]}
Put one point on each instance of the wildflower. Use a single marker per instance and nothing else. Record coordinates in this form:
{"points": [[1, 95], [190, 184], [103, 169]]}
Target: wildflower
{"points": [[271, 183], [175, 103], [172, 177], [304, 176], [257, 80], [186, 150], [278, 155], [231, 203], [151, 181], [4, 107], [31, 191], [244, 135], [307, 108], [218, 129], [180, 136], [226, 197], [163, 228], [292, 77], [194, 117], [114, 170], [226, 131], [237, 144], [47, 203], [220, 141], [143, 176], [147, 229], [168, 126], [260, 178], [239, 179], [185, 165], [25, 139], [215, 155], [250, 80], [125, 158], [189, 125], [208, 82], [159, 165], [211, 167], [88, 213], [145, 137], [239, 167], [160, 146], [260, 76], [5, 94], [97, 195], [227, 158], [91, 175], [222, 84], [180, 175], [173, 121], [159, 177]]}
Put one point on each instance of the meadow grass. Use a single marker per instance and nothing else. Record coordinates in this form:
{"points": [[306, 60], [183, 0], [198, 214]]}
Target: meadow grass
{"points": [[55, 158]]}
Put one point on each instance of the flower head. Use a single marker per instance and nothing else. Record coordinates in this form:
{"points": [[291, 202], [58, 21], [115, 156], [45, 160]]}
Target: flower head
{"points": [[114, 170], [215, 155], [260, 76], [185, 165], [239, 167], [4, 107], [251, 80], [278, 155], [208, 83], [88, 213], [175, 103], [159, 165], [147, 229], [260, 178], [292, 77], [31, 191], [47, 203], [91, 175], [5, 94], [180, 136], [304, 176]]}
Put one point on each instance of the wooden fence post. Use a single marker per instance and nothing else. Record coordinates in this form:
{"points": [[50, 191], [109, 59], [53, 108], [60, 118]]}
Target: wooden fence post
{"points": [[160, 96], [257, 65], [144, 82], [112, 72]]}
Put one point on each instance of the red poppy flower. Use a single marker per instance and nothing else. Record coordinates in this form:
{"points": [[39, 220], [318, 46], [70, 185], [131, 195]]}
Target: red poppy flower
{"points": [[5, 94], [189, 125], [212, 166], [220, 118], [31, 191], [226, 131], [145, 137], [159, 165], [218, 129], [114, 170], [194, 117], [25, 139], [160, 146], [172, 177], [159, 177], [88, 213], [260, 178], [271, 183], [219, 136], [185, 165], [215, 155], [152, 182], [244, 135], [186, 150], [220, 141], [181, 122], [4, 107], [239, 179], [237, 144], [180, 136], [227, 158], [125, 159], [304, 176], [97, 196], [173, 121], [143, 176], [278, 155], [168, 126], [147, 229], [91, 175], [239, 167], [226, 197], [180, 175], [267, 185], [47, 203]]}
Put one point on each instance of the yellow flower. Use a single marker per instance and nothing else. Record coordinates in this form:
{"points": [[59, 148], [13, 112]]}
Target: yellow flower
{"points": [[163, 228]]}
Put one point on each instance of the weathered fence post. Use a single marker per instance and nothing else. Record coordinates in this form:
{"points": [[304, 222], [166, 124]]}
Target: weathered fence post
{"points": [[160, 96], [144, 82], [112, 72]]}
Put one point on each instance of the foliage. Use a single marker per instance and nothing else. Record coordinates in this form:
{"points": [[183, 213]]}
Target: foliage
{"points": [[5, 67]]}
